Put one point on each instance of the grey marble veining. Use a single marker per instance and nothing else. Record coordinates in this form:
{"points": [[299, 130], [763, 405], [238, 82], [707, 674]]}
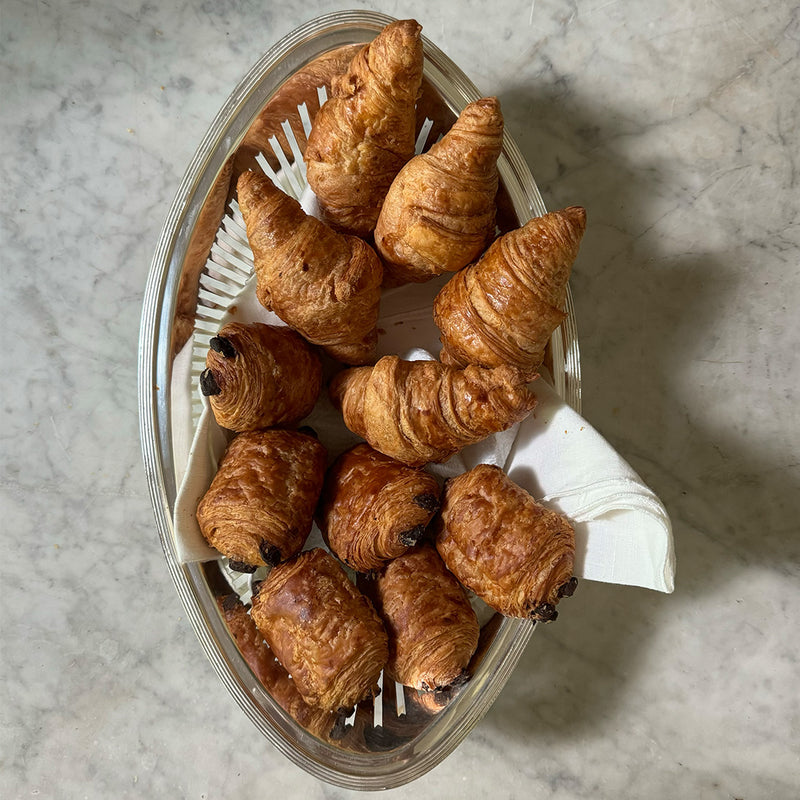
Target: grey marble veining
{"points": [[676, 126]]}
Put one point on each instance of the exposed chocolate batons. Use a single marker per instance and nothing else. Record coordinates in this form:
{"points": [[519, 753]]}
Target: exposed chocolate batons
{"points": [[430, 502], [270, 553], [208, 383], [445, 692], [261, 503], [373, 508], [339, 727], [413, 536], [545, 612], [229, 602], [433, 630], [223, 346], [264, 376], [240, 566], [568, 589], [514, 553]]}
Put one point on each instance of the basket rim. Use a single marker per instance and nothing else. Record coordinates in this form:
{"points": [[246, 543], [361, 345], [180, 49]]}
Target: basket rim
{"points": [[353, 770]]}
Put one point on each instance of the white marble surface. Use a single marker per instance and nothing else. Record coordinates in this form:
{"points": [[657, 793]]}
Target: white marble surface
{"points": [[676, 126]]}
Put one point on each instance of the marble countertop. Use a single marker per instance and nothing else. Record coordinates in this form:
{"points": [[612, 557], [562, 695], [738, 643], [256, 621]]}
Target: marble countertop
{"points": [[675, 125]]}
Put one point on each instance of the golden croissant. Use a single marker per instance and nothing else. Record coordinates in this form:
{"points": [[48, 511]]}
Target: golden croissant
{"points": [[324, 632], [503, 309], [432, 628], [275, 679], [258, 376], [373, 508], [423, 411], [259, 508], [366, 131], [439, 214], [514, 553], [324, 284]]}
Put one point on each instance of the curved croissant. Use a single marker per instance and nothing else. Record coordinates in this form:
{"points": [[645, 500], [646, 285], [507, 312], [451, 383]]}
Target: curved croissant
{"points": [[365, 132], [324, 632], [205, 230], [439, 214], [503, 309], [275, 679], [432, 628], [374, 508], [259, 508], [514, 553], [423, 411], [260, 375], [324, 284]]}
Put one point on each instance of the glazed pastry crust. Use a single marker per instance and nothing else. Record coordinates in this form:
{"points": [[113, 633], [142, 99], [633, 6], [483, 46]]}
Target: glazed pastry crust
{"points": [[439, 214], [373, 508], [366, 131], [504, 308], [273, 676], [514, 553], [324, 284], [423, 411], [324, 632], [258, 376], [259, 508], [432, 628]]}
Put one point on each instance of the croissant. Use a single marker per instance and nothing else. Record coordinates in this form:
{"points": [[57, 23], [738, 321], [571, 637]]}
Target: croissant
{"points": [[422, 411], [324, 284], [259, 375], [324, 632], [503, 309], [366, 131], [255, 651], [439, 214], [514, 553], [259, 508], [432, 628], [374, 508]]}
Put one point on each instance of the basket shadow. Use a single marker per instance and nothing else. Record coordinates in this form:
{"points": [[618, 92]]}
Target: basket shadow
{"points": [[647, 313]]}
